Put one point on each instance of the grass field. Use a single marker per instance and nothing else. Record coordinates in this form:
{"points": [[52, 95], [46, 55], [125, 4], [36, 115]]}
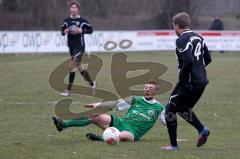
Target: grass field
{"points": [[27, 103]]}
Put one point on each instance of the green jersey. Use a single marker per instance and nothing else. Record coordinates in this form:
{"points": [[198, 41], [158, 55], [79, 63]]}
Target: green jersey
{"points": [[142, 115]]}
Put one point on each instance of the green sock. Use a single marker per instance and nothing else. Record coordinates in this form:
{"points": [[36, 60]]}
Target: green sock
{"points": [[100, 138], [77, 122]]}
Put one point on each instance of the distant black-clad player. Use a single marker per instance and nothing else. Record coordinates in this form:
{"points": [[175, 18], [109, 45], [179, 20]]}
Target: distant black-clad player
{"points": [[75, 27], [193, 56]]}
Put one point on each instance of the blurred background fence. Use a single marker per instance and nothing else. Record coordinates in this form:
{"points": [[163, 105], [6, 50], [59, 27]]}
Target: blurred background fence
{"points": [[117, 15]]}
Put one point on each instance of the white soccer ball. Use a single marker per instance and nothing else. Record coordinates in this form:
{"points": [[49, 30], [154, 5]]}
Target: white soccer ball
{"points": [[111, 135], [73, 29]]}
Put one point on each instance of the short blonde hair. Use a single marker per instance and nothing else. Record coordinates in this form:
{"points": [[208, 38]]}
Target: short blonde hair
{"points": [[155, 83]]}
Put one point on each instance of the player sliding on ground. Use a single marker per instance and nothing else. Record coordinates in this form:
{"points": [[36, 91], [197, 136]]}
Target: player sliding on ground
{"points": [[143, 111]]}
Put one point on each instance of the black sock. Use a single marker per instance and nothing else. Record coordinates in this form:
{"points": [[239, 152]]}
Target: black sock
{"points": [[171, 121], [172, 132], [192, 119], [71, 79], [86, 76]]}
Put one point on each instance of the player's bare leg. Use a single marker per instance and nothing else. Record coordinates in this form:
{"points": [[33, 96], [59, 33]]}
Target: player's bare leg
{"points": [[103, 121], [73, 66], [126, 136]]}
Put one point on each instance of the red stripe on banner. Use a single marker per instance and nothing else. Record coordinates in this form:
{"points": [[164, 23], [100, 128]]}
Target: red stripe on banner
{"points": [[162, 33], [219, 33], [210, 34], [203, 33], [154, 33], [231, 34]]}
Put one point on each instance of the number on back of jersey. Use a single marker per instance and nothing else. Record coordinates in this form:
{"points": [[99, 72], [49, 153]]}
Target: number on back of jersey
{"points": [[197, 51]]}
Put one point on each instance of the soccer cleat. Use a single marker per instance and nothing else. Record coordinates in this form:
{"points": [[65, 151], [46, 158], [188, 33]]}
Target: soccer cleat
{"points": [[58, 123], [203, 136], [94, 137], [66, 93], [94, 88], [171, 148]]}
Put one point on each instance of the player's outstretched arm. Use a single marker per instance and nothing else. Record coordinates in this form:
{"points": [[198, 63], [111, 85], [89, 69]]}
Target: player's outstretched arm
{"points": [[121, 104], [108, 104]]}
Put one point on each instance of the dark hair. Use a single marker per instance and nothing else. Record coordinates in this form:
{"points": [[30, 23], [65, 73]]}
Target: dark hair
{"points": [[153, 82], [74, 3], [182, 20]]}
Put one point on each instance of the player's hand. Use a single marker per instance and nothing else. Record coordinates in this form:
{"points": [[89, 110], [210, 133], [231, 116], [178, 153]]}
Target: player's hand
{"points": [[92, 105], [75, 29], [66, 31], [78, 31]]}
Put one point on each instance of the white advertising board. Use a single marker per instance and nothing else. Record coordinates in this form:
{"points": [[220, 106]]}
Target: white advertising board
{"points": [[105, 41]]}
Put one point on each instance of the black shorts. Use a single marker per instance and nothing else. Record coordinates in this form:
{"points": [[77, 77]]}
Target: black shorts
{"points": [[76, 54], [183, 98]]}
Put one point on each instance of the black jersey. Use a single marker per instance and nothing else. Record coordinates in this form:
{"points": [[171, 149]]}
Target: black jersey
{"points": [[76, 40], [193, 56]]}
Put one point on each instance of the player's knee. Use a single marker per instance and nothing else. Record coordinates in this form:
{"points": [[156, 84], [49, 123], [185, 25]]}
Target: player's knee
{"points": [[81, 68], [72, 65], [98, 118], [83, 72], [95, 119], [126, 136]]}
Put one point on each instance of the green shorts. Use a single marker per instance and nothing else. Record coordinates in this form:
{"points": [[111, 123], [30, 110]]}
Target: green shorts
{"points": [[122, 125]]}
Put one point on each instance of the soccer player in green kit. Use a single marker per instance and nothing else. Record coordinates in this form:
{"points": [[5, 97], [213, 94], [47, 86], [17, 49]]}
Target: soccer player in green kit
{"points": [[143, 111]]}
